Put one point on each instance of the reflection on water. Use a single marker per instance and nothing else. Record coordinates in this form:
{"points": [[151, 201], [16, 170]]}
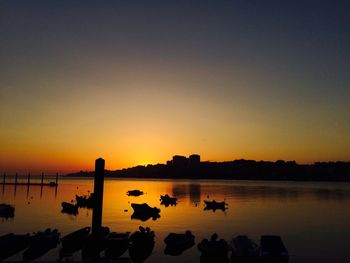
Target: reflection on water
{"points": [[312, 218]]}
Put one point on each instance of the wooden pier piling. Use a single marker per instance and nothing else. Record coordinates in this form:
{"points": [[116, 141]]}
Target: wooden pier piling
{"points": [[16, 178], [98, 196]]}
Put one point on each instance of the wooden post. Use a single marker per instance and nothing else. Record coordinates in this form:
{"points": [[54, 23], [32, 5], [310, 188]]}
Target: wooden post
{"points": [[3, 180], [16, 178], [28, 179], [98, 196], [56, 179], [42, 179]]}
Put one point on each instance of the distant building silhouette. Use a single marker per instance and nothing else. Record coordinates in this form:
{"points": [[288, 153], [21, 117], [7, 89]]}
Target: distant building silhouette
{"points": [[194, 159], [193, 168], [182, 161], [179, 161]]}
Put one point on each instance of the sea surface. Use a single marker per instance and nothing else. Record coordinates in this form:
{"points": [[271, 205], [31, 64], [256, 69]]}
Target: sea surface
{"points": [[313, 218]]}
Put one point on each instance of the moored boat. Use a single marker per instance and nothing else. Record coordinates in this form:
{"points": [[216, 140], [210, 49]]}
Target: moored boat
{"points": [[244, 249], [167, 200], [213, 250], [95, 243], [144, 212], [85, 200], [11, 244], [134, 193], [116, 244], [272, 250], [69, 208], [141, 244], [7, 211], [177, 243], [40, 243], [214, 205], [75, 240]]}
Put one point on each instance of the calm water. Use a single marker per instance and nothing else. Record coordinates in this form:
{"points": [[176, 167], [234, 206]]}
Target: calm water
{"points": [[313, 219]]}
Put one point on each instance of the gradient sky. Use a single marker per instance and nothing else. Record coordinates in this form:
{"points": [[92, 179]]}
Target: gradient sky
{"points": [[136, 82]]}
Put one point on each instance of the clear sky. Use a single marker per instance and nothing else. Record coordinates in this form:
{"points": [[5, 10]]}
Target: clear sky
{"points": [[136, 82]]}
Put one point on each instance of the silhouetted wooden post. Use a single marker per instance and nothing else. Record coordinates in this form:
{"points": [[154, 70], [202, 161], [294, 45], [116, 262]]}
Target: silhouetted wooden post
{"points": [[3, 179], [28, 178], [16, 178], [98, 196], [56, 179], [42, 179]]}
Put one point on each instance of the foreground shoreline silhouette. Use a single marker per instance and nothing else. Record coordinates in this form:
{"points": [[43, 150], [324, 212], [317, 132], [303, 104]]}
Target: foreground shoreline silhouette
{"points": [[181, 167]]}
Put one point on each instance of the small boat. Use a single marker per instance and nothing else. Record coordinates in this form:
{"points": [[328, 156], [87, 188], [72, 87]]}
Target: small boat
{"points": [[273, 250], [69, 208], [74, 241], [116, 244], [213, 250], [178, 243], [7, 211], [134, 193], [40, 243], [213, 205], [85, 200], [95, 243], [167, 200], [244, 249], [145, 208], [11, 244], [144, 212], [141, 244]]}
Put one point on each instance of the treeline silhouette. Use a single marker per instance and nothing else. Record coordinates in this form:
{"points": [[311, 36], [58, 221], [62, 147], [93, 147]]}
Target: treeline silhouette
{"points": [[237, 170]]}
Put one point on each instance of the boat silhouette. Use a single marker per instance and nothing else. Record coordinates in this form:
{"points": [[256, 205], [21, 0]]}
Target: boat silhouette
{"points": [[272, 250], [85, 200], [166, 200], [134, 193], [141, 244], [116, 244], [213, 205], [244, 250], [40, 243], [11, 244], [144, 212], [69, 208], [7, 211], [176, 243], [74, 241], [213, 250]]}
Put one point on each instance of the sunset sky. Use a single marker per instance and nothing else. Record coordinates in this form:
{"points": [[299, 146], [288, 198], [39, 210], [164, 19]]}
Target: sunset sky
{"points": [[136, 82]]}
